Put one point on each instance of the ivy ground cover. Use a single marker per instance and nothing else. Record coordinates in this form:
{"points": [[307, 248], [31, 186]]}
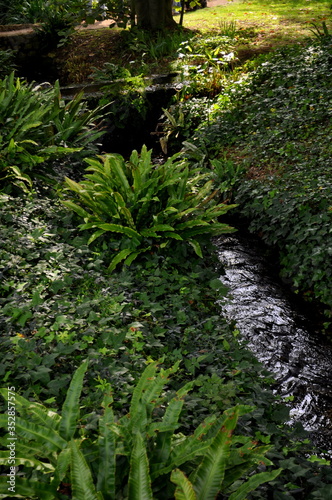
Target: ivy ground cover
{"points": [[61, 310], [274, 123]]}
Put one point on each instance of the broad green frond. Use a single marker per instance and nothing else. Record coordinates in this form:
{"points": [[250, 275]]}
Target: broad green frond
{"points": [[70, 408], [81, 478], [253, 483], [208, 478], [139, 482], [184, 489]]}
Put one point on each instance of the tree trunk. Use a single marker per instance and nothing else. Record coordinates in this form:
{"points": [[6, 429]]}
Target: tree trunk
{"points": [[132, 13], [154, 14]]}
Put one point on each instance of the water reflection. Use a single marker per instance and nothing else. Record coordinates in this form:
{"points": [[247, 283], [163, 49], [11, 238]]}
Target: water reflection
{"points": [[280, 337]]}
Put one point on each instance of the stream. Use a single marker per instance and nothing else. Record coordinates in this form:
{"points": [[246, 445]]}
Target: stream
{"points": [[281, 336]]}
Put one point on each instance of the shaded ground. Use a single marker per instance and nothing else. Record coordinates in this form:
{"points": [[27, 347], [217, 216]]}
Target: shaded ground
{"points": [[27, 28], [271, 26]]}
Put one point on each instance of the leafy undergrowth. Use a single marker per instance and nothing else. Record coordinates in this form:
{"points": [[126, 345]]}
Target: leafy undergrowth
{"points": [[274, 124], [288, 144], [60, 307], [63, 313]]}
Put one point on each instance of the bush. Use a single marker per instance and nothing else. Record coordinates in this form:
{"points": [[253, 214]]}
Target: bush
{"points": [[36, 124], [297, 221], [275, 124], [146, 207], [39, 11]]}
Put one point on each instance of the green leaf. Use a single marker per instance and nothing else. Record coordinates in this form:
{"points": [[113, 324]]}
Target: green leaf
{"points": [[122, 255], [165, 430], [216, 284], [191, 223], [42, 435], [134, 255], [81, 477], [75, 208], [39, 412], [184, 490], [74, 186], [29, 462], [174, 236], [70, 408], [139, 482], [96, 235], [135, 410], [107, 451], [27, 489], [208, 478], [161, 227], [253, 483], [18, 174], [124, 211], [117, 166], [197, 247], [114, 228], [62, 466]]}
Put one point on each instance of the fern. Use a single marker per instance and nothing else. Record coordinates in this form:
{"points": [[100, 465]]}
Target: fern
{"points": [[139, 482], [42, 116], [106, 479], [151, 451], [253, 483], [49, 438], [209, 476], [70, 409], [81, 478], [152, 205], [184, 490]]}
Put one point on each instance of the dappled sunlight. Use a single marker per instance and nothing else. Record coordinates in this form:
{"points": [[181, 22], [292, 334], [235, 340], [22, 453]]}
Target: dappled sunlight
{"points": [[276, 22]]}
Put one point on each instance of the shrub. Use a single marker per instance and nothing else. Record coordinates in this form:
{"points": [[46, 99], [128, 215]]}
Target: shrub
{"points": [[275, 124], [295, 219], [39, 11], [146, 206], [36, 124]]}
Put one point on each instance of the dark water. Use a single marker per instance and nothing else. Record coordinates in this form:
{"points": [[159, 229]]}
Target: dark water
{"points": [[281, 336]]}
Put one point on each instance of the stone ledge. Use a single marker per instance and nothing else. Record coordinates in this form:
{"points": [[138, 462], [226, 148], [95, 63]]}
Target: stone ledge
{"points": [[11, 29]]}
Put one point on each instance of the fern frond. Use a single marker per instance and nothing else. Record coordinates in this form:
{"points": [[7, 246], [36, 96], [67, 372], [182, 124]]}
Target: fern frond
{"points": [[184, 490], [70, 408], [139, 482], [81, 478]]}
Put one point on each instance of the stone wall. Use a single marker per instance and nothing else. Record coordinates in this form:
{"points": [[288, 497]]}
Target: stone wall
{"points": [[31, 60], [24, 41]]}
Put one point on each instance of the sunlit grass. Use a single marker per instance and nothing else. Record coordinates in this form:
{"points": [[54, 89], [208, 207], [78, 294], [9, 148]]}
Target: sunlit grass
{"points": [[276, 22]]}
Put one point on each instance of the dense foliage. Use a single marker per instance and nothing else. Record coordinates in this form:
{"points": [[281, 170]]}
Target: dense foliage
{"points": [[36, 125], [61, 308], [39, 11], [147, 207], [131, 384], [275, 124], [137, 451]]}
